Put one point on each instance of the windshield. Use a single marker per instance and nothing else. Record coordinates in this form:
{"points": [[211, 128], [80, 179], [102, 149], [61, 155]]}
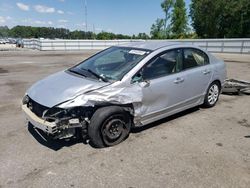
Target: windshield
{"points": [[110, 64]]}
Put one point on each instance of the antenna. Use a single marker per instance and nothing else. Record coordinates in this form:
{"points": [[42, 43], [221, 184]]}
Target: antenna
{"points": [[86, 15]]}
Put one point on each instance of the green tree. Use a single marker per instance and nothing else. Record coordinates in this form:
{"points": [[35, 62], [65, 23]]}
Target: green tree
{"points": [[4, 31], [179, 18], [157, 29], [106, 36], [204, 14], [121, 36], [62, 33], [166, 5], [142, 36], [220, 18]]}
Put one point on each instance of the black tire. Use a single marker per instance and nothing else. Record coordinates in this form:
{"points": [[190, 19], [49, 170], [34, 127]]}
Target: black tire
{"points": [[109, 126], [210, 97]]}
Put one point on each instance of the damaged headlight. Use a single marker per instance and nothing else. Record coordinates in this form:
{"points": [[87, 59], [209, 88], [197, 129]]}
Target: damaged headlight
{"points": [[64, 114], [54, 113]]}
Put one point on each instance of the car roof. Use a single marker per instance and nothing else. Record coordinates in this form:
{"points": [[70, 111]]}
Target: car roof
{"points": [[150, 45]]}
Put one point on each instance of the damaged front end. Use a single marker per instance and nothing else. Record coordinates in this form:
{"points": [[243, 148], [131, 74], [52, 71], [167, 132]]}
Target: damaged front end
{"points": [[58, 123]]}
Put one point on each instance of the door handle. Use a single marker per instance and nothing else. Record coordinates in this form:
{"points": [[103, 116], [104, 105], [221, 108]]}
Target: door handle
{"points": [[207, 71], [179, 80]]}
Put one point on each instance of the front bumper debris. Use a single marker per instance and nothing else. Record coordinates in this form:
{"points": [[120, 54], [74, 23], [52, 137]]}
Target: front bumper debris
{"points": [[47, 127]]}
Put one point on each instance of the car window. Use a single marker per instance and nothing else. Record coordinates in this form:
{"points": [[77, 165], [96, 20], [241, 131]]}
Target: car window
{"points": [[111, 58], [165, 64], [194, 58], [112, 63]]}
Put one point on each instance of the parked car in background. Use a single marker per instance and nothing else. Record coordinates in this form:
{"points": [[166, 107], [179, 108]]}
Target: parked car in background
{"points": [[2, 41], [12, 40], [6, 41], [122, 87], [19, 43]]}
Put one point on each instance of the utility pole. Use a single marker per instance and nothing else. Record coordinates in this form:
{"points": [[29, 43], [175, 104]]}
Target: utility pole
{"points": [[86, 15], [94, 30]]}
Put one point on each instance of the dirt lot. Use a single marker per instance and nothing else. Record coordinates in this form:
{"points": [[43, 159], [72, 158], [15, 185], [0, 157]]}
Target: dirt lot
{"points": [[196, 148]]}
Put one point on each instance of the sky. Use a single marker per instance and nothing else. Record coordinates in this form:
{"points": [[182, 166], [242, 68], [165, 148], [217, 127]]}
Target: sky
{"points": [[117, 16]]}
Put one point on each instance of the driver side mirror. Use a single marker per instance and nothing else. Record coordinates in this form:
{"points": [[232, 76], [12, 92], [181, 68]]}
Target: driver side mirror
{"points": [[137, 78], [145, 83]]}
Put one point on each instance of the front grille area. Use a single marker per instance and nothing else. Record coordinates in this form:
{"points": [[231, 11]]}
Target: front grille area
{"points": [[36, 108]]}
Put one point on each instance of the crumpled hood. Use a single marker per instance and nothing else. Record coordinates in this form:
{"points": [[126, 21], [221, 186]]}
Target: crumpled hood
{"points": [[61, 87]]}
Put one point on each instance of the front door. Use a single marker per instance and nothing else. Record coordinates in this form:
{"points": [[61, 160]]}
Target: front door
{"points": [[163, 84]]}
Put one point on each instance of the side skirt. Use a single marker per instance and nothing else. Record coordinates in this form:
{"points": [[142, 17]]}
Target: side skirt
{"points": [[171, 110]]}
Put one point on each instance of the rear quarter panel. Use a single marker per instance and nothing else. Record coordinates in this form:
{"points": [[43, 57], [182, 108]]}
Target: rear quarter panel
{"points": [[219, 69]]}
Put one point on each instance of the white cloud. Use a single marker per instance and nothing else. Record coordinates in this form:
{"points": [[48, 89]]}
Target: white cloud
{"points": [[8, 18], [39, 22], [23, 7], [61, 0], [30, 21], [63, 21], [60, 12], [44, 9], [2, 20], [5, 19]]}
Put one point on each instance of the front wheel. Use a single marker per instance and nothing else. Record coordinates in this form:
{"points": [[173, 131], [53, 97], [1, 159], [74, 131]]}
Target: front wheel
{"points": [[109, 126], [212, 95]]}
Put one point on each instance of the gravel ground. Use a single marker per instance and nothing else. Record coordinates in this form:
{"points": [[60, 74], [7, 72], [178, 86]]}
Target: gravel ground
{"points": [[196, 148]]}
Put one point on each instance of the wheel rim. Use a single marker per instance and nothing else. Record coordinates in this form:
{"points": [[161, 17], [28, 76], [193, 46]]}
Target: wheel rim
{"points": [[213, 94], [114, 129]]}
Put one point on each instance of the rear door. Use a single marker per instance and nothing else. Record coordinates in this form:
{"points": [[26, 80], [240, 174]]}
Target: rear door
{"points": [[198, 74]]}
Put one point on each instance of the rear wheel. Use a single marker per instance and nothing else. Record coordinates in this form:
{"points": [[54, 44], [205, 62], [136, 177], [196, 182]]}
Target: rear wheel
{"points": [[109, 126], [212, 95]]}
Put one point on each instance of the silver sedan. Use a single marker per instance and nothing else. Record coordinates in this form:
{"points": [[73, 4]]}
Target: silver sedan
{"points": [[122, 87]]}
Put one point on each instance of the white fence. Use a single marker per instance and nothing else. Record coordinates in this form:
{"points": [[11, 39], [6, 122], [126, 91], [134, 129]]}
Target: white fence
{"points": [[211, 45], [67, 45]]}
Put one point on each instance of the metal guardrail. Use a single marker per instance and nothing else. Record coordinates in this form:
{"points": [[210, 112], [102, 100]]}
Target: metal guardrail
{"points": [[212, 45], [222, 45], [67, 45]]}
